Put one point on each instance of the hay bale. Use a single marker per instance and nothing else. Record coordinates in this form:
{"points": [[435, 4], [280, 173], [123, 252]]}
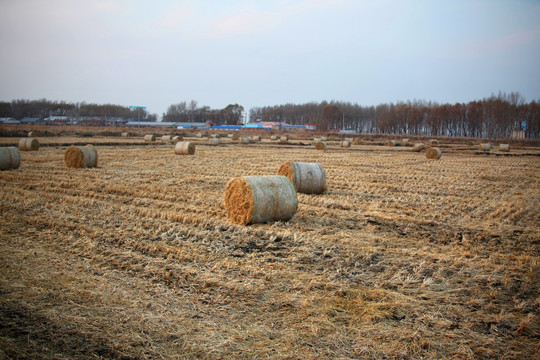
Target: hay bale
{"points": [[321, 145], [243, 140], [125, 134], [149, 138], [33, 133], [284, 138], [199, 135], [28, 144], [434, 142], [345, 143], [260, 199], [184, 148], [213, 141], [391, 143], [357, 141], [418, 147], [504, 147], [307, 178], [176, 139], [81, 157], [10, 158], [257, 138], [349, 140], [316, 140], [166, 138], [433, 153], [324, 138], [404, 141], [273, 137], [484, 147]]}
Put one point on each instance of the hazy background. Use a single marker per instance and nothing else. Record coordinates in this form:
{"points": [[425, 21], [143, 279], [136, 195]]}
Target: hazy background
{"points": [[257, 53]]}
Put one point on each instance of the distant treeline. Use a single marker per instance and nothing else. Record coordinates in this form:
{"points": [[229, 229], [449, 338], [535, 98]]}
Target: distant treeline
{"points": [[192, 112], [44, 108], [493, 117]]}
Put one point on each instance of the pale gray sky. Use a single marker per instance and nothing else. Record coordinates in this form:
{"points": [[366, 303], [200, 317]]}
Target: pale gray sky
{"points": [[262, 52]]}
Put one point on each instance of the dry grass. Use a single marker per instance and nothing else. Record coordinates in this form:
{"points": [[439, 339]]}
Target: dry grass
{"points": [[402, 257]]}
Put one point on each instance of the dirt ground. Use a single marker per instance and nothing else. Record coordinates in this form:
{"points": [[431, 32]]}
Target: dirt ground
{"points": [[402, 258]]}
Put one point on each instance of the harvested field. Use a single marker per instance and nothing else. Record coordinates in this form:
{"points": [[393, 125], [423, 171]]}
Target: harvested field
{"points": [[401, 257]]}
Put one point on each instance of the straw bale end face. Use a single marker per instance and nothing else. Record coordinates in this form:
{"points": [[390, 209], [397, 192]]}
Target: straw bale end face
{"points": [[239, 201], [81, 157], [260, 199], [433, 153], [320, 145]]}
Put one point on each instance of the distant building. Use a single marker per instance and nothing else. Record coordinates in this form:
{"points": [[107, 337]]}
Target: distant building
{"points": [[9, 120], [91, 122], [316, 127], [32, 121]]}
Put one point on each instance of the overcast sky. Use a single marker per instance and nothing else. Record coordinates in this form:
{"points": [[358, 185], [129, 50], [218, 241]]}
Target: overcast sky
{"points": [[262, 52]]}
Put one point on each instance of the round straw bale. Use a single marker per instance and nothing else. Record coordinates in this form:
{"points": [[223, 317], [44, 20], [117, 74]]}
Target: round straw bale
{"points": [[434, 142], [273, 137], [391, 143], [199, 135], [10, 158], [243, 140], [433, 153], [260, 199], [316, 140], [404, 141], [324, 138], [345, 143], [176, 139], [357, 141], [321, 145], [284, 138], [166, 138], [125, 134], [349, 140], [307, 178], [81, 157], [184, 148], [484, 147], [149, 138], [504, 147], [418, 147], [213, 141], [257, 138], [28, 144]]}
